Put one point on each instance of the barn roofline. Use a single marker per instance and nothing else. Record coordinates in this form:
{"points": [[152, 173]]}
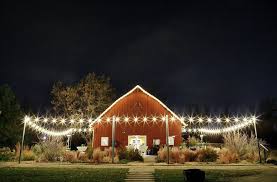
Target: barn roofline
{"points": [[147, 93]]}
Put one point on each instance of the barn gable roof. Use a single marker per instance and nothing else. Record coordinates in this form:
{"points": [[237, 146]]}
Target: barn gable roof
{"points": [[145, 92]]}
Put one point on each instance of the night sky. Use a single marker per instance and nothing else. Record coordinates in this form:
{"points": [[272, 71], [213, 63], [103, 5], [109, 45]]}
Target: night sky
{"points": [[214, 54]]}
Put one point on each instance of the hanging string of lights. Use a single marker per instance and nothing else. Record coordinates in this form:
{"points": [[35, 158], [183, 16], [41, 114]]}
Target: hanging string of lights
{"points": [[185, 119], [215, 131], [35, 123]]}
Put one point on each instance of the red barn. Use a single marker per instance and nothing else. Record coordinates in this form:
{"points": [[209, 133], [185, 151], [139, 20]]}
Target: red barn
{"points": [[139, 121]]}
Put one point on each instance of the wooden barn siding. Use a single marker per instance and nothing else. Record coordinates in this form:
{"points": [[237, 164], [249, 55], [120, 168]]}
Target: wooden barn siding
{"points": [[126, 107]]}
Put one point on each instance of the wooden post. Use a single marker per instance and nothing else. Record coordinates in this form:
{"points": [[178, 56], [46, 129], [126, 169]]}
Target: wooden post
{"points": [[167, 135], [22, 142], [113, 137], [255, 128]]}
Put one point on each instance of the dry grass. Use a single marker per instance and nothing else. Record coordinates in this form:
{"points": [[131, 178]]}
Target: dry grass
{"points": [[241, 147]]}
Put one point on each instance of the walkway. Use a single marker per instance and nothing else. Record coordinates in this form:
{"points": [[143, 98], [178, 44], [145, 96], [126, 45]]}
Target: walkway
{"points": [[140, 174]]}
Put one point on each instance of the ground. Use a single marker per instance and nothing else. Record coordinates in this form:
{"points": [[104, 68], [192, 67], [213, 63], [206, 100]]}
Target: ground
{"points": [[11, 171]]}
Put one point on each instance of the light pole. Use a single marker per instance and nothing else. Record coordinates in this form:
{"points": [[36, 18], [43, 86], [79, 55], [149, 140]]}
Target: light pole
{"points": [[113, 137], [26, 119], [256, 134], [167, 135]]}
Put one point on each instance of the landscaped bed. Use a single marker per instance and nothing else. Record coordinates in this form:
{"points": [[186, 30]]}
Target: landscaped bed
{"points": [[61, 174], [226, 175]]}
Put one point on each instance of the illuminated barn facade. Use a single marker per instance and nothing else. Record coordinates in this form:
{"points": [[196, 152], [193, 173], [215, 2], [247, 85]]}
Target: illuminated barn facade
{"points": [[139, 120]]}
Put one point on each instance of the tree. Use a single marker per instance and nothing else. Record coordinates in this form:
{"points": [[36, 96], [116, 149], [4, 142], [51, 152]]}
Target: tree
{"points": [[10, 117], [87, 98]]}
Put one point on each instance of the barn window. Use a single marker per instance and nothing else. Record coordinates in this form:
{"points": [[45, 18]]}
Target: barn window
{"points": [[104, 141], [171, 140]]}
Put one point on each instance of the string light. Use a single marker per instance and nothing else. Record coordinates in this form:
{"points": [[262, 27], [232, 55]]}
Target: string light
{"points": [[54, 120], [144, 119], [62, 121], [245, 121], [72, 121], [126, 119], [172, 119], [200, 120], [221, 130]]}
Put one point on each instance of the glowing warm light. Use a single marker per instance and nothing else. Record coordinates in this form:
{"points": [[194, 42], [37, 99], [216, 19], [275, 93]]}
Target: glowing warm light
{"points": [[182, 119], [227, 120], [80, 130], [27, 119], [218, 120], [189, 130], [85, 130], [236, 119], [108, 119], [81, 120], [117, 119], [144, 119], [154, 119], [54, 120], [254, 118], [190, 119], [72, 121], [99, 120], [136, 119], [163, 118], [200, 120], [209, 120], [89, 129], [36, 119], [172, 119], [244, 119], [90, 120], [62, 121], [126, 119], [45, 120]]}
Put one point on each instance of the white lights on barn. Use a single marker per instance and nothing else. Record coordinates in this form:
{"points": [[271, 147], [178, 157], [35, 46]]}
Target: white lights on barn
{"points": [[233, 123]]}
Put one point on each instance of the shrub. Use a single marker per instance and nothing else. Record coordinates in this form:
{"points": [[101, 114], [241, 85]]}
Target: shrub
{"points": [[134, 155], [175, 155], [162, 154], [129, 155], [28, 155], [82, 156], [245, 147], [192, 141], [49, 150], [206, 155], [188, 155], [6, 154], [226, 156], [123, 154], [97, 155], [70, 156]]}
